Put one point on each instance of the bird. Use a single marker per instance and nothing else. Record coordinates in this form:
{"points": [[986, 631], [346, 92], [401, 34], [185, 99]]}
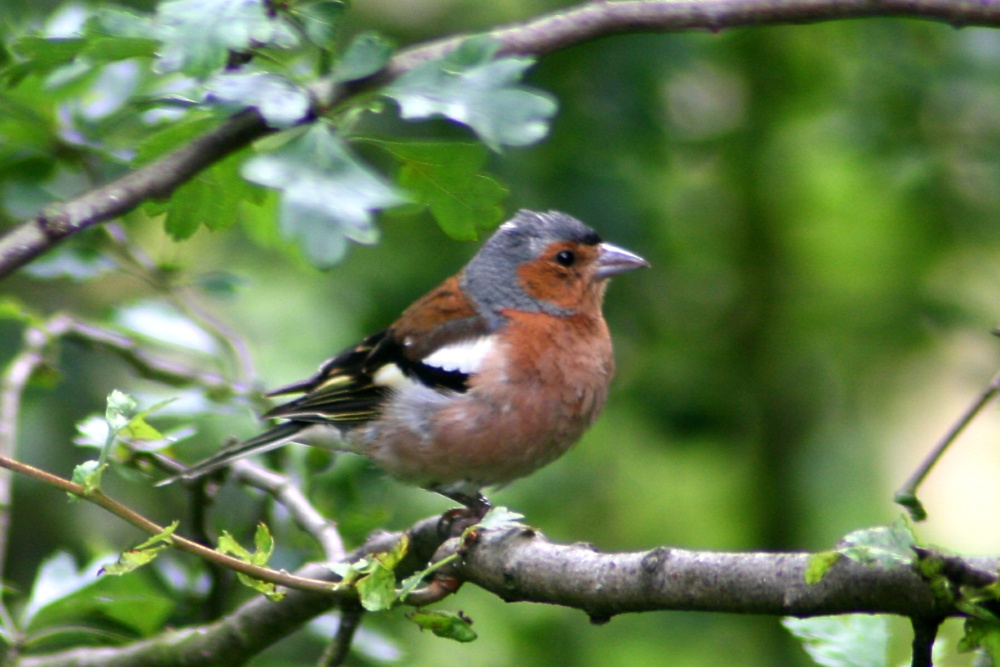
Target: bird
{"points": [[493, 374]]}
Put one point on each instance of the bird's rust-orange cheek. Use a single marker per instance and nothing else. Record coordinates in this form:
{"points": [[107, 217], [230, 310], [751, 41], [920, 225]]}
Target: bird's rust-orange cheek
{"points": [[571, 288]]}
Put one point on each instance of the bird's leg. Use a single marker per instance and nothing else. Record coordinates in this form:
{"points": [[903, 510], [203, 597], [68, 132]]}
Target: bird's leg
{"points": [[454, 522]]}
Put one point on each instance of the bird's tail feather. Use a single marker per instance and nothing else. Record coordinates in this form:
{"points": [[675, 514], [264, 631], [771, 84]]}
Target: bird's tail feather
{"points": [[265, 442]]}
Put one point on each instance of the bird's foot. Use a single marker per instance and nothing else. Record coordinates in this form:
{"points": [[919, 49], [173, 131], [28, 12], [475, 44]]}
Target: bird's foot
{"points": [[456, 521]]}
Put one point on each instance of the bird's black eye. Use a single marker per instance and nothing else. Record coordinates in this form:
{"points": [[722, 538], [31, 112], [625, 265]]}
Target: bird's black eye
{"points": [[566, 257]]}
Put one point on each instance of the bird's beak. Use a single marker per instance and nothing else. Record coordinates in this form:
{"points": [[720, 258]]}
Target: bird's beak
{"points": [[613, 260]]}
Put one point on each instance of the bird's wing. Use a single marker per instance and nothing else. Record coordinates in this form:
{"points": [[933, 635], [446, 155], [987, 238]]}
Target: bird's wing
{"points": [[352, 387]]}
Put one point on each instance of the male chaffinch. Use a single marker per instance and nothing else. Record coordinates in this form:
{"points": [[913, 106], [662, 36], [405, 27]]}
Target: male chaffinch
{"points": [[488, 377]]}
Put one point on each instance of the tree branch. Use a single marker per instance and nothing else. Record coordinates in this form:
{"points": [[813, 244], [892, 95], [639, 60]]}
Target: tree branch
{"points": [[521, 565], [249, 629], [524, 566], [544, 34]]}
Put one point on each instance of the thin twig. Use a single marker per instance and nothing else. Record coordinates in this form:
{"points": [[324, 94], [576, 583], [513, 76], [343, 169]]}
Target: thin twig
{"points": [[97, 497], [907, 494], [12, 386], [291, 497], [185, 301], [338, 650]]}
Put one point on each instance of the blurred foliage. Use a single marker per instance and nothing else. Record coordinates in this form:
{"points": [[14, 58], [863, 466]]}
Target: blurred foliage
{"points": [[819, 204]]}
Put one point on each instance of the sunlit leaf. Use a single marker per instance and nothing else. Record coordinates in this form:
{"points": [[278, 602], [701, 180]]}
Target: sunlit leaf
{"points": [[849, 640], [884, 546], [281, 102], [327, 195], [470, 87], [199, 34]]}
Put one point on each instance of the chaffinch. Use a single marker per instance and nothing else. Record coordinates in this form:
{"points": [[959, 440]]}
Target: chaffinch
{"points": [[485, 379]]}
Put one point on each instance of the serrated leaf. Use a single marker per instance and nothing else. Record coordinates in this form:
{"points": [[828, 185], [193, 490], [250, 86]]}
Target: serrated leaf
{"points": [[447, 624], [501, 518], [281, 102], [199, 34], [229, 545], [470, 87], [445, 177], [884, 546], [819, 564], [327, 195], [320, 20], [849, 640], [366, 54]]}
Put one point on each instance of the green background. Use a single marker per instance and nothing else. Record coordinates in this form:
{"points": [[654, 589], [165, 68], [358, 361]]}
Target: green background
{"points": [[820, 208]]}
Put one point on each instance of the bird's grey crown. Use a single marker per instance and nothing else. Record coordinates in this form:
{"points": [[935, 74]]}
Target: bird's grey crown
{"points": [[491, 276]]}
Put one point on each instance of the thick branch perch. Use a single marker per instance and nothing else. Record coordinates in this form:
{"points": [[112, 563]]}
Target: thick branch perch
{"points": [[538, 36], [524, 566], [521, 565]]}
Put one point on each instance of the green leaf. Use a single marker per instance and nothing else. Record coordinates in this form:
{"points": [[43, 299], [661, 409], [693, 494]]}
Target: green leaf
{"points": [[884, 546], [819, 564], [42, 55], [366, 54], [445, 177], [501, 518], [109, 49], [62, 596], [199, 34], [377, 589], [12, 308], [229, 545], [982, 634], [281, 102], [327, 194], [263, 543], [447, 624], [88, 475], [172, 136], [850, 640], [471, 88], [121, 408], [320, 20], [131, 560], [265, 546]]}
